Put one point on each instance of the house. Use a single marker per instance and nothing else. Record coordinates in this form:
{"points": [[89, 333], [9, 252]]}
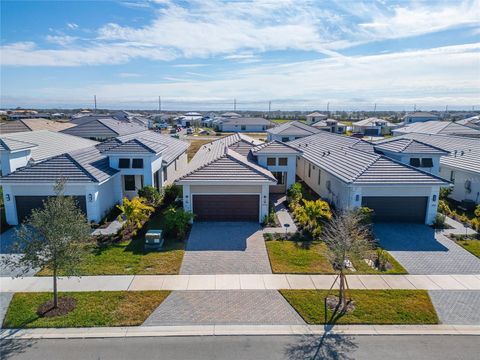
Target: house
{"points": [[330, 125], [99, 175], [373, 127], [473, 122], [349, 173], [189, 119], [461, 167], [230, 114], [231, 179], [438, 128], [33, 125], [419, 116], [245, 124], [315, 117], [101, 129], [290, 131]]}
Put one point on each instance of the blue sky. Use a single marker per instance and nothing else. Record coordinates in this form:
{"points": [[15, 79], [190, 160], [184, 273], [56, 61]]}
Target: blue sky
{"points": [[203, 54]]}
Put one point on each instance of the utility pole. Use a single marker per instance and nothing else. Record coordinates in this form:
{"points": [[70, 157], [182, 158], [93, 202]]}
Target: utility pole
{"points": [[159, 103], [269, 108], [234, 104], [95, 103], [328, 108], [375, 108], [414, 107]]}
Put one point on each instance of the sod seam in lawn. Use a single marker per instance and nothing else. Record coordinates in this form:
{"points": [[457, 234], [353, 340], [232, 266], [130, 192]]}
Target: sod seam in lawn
{"points": [[289, 257], [371, 307], [100, 308]]}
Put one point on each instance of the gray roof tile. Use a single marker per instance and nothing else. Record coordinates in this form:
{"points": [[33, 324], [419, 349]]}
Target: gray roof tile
{"points": [[293, 128], [408, 146]]}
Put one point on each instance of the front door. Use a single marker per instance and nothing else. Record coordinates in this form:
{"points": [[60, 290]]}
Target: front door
{"points": [[131, 185], [281, 186]]}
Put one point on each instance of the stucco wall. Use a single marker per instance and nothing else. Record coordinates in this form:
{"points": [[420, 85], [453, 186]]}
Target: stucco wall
{"points": [[11, 161], [290, 168], [238, 128], [459, 191], [173, 174]]}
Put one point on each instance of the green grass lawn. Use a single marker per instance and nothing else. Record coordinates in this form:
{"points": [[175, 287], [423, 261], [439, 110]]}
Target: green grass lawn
{"points": [[129, 258], [292, 257], [471, 245], [371, 307], [100, 308]]}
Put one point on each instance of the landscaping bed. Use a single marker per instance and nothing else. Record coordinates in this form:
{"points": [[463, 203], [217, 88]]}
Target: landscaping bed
{"points": [[100, 308], [371, 307], [471, 243]]}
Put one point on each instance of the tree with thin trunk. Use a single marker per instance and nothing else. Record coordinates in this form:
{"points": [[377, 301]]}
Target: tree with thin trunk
{"points": [[54, 237], [347, 236]]}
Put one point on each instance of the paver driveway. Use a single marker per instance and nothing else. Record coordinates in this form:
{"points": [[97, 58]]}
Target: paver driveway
{"points": [[225, 248], [209, 307], [421, 250], [457, 307], [7, 239]]}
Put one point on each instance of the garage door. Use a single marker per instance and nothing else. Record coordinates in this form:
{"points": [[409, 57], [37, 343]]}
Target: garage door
{"points": [[371, 132], [25, 205], [397, 208], [226, 207]]}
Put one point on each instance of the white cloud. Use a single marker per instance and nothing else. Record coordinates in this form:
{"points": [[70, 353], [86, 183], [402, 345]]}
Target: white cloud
{"points": [[128, 75], [62, 40], [189, 65], [72, 26]]}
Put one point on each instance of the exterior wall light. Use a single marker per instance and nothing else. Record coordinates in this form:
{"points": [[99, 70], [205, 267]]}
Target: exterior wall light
{"points": [[7, 197], [90, 197], [434, 197], [357, 197]]}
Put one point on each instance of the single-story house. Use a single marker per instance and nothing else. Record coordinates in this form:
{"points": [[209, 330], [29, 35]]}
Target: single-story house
{"points": [[290, 131], [438, 128], [473, 122], [373, 127], [15, 126], [230, 114], [315, 117], [101, 129], [331, 125], [189, 119], [243, 124], [98, 175], [419, 116], [350, 173], [461, 167]]}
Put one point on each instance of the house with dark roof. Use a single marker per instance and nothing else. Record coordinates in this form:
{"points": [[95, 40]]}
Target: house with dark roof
{"points": [[419, 116], [98, 175], [373, 127], [101, 129], [290, 130]]}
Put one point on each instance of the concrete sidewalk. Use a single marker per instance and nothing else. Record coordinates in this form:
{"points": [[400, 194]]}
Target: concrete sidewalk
{"points": [[228, 330], [239, 282]]}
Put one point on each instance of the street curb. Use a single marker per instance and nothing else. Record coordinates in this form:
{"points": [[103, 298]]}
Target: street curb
{"points": [[235, 330]]}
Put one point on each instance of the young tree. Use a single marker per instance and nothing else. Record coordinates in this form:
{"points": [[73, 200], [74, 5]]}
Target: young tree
{"points": [[53, 236], [347, 235]]}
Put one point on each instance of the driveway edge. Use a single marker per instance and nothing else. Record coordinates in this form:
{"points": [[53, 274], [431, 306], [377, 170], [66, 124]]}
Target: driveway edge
{"points": [[232, 330]]}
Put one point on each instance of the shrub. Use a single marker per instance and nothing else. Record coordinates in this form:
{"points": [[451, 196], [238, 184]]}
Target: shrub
{"points": [[135, 212], [312, 215], [445, 192], [381, 261], [294, 194], [177, 222], [151, 195], [171, 192], [268, 236], [477, 211], [439, 222], [444, 208], [365, 214]]}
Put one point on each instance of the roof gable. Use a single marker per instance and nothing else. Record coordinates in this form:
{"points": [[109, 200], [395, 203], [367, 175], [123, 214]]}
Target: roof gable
{"points": [[293, 128], [409, 146], [275, 147]]}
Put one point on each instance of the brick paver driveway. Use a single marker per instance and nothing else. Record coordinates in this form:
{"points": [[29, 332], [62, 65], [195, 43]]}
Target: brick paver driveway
{"points": [[225, 248], [209, 307], [457, 307], [423, 251]]}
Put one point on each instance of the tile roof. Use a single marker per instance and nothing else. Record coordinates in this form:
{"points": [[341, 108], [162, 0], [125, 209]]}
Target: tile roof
{"points": [[9, 144], [216, 161], [246, 121], [316, 113], [293, 128], [421, 114], [345, 159], [49, 143], [438, 127], [371, 122], [107, 127], [44, 124], [408, 146], [275, 147], [13, 126]]}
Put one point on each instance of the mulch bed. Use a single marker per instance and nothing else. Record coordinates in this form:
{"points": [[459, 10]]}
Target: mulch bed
{"points": [[65, 305], [332, 303]]}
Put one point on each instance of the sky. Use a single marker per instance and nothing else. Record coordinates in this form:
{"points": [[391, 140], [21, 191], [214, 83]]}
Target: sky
{"points": [[298, 55]]}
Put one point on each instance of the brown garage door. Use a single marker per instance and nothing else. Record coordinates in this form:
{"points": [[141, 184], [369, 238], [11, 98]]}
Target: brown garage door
{"points": [[397, 208], [226, 207], [25, 205]]}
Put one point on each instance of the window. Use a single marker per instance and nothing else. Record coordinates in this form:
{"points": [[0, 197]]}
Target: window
{"points": [[137, 163], [319, 176], [415, 162], [175, 164], [271, 161], [427, 163], [285, 139], [283, 161], [129, 181], [280, 176], [452, 176], [124, 163], [243, 127], [165, 174], [309, 170]]}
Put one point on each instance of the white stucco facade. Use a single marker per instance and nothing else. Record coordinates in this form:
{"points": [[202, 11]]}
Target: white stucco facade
{"points": [[466, 184]]}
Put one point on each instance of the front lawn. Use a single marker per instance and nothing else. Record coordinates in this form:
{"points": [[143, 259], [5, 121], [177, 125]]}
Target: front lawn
{"points": [[100, 308], [129, 257], [292, 257], [371, 307]]}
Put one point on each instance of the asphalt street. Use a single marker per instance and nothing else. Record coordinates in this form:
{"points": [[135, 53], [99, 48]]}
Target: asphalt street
{"points": [[249, 347]]}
